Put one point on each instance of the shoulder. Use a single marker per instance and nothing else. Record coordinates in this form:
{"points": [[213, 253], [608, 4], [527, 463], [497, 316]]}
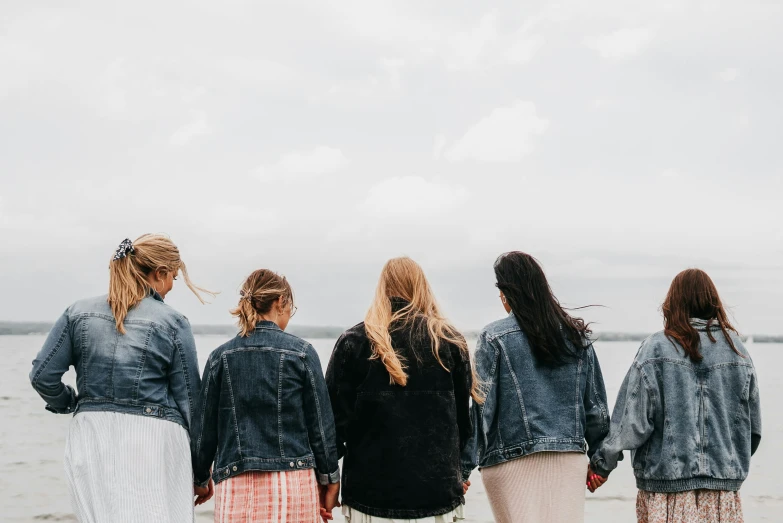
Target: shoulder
{"points": [[657, 346], [500, 328], [353, 335], [95, 305]]}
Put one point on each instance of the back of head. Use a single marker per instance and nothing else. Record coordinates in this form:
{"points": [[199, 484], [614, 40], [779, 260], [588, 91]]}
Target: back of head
{"points": [[257, 296], [403, 278], [692, 294], [546, 324], [130, 267]]}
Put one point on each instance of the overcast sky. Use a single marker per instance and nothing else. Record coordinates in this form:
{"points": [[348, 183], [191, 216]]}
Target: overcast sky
{"points": [[618, 141]]}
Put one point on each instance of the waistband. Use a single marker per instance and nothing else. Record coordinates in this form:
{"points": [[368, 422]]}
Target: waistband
{"points": [[681, 485], [519, 450], [150, 410]]}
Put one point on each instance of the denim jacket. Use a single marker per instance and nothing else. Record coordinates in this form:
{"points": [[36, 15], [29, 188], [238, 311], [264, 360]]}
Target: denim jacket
{"points": [[151, 370], [263, 406], [688, 425], [529, 407]]}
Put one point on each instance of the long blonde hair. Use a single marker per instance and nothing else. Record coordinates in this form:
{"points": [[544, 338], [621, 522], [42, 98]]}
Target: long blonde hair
{"points": [[259, 292], [128, 271], [404, 278]]}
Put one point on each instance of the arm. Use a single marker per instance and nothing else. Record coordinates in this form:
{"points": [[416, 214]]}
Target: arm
{"points": [[632, 422], [596, 411], [50, 364], [204, 427], [342, 392], [319, 419], [184, 379], [755, 413], [482, 415], [462, 377]]}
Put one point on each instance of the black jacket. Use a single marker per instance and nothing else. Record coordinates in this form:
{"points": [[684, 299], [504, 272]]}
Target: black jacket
{"points": [[401, 445]]}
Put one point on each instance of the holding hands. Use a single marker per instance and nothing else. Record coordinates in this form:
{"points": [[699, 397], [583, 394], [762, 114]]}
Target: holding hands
{"points": [[328, 499], [594, 480], [204, 494]]}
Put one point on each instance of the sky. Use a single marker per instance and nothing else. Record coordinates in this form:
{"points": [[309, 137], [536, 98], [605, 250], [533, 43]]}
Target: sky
{"points": [[618, 141]]}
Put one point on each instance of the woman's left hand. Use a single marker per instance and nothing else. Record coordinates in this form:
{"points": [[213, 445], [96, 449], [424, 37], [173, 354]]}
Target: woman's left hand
{"points": [[465, 487], [204, 494]]}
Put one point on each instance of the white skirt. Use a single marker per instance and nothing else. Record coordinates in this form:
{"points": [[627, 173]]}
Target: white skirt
{"points": [[128, 468], [354, 516]]}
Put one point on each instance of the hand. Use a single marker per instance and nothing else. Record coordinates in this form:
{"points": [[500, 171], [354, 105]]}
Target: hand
{"points": [[328, 499], [594, 481], [465, 487], [204, 494]]}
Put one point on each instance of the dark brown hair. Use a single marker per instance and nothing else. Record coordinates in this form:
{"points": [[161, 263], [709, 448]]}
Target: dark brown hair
{"points": [[548, 327], [692, 294], [259, 292]]}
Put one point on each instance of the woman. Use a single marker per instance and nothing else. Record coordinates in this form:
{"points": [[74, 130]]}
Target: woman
{"points": [[689, 412], [264, 417], [400, 385], [127, 456], [545, 396]]}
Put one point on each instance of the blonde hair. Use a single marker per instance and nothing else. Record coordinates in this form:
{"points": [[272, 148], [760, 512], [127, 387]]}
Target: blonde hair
{"points": [[259, 292], [404, 278], [128, 283]]}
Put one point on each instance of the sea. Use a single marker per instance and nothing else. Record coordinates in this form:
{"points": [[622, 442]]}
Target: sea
{"points": [[32, 441]]}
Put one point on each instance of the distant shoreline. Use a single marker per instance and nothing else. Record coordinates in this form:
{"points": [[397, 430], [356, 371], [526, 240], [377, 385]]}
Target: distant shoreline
{"points": [[12, 328]]}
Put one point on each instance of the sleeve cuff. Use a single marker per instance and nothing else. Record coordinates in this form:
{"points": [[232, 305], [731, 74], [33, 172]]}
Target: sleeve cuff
{"points": [[67, 396], [600, 470], [326, 479], [466, 475], [202, 483]]}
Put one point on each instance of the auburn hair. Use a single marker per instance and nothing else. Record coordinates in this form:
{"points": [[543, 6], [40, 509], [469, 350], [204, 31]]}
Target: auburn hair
{"points": [[257, 296], [692, 294], [128, 283], [404, 278]]}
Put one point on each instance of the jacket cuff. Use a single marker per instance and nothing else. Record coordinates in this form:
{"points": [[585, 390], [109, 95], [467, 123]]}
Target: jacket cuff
{"points": [[326, 479], [600, 470], [201, 483], [466, 474], [67, 396]]}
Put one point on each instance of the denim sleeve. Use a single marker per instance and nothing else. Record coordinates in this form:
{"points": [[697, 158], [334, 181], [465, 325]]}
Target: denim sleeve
{"points": [[204, 427], [54, 360], [320, 421], [632, 421], [596, 410], [342, 392], [462, 378], [755, 413], [184, 379], [486, 359]]}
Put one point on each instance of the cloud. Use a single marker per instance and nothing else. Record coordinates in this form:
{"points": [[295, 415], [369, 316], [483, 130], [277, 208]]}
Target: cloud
{"points": [[315, 162], [392, 67], [185, 134], [729, 75], [412, 196], [622, 43], [438, 146], [467, 46], [503, 136], [670, 173]]}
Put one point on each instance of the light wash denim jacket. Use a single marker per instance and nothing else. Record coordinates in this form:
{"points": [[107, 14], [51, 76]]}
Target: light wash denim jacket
{"points": [[530, 408], [264, 406], [688, 425], [151, 370]]}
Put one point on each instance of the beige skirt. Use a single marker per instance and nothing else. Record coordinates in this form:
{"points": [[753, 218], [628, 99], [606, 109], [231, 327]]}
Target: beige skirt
{"points": [[545, 487]]}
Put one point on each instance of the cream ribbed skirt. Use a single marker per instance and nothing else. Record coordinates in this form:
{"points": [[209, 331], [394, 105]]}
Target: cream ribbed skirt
{"points": [[545, 487]]}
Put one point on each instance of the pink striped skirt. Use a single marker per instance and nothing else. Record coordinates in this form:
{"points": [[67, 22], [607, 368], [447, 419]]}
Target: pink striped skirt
{"points": [[268, 497]]}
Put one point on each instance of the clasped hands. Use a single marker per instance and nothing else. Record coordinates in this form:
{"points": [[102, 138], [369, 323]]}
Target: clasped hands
{"points": [[594, 480]]}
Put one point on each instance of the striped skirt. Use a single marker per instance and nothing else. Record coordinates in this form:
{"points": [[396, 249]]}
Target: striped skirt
{"points": [[268, 497], [128, 468]]}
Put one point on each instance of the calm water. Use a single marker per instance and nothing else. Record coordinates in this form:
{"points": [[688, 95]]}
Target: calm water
{"points": [[32, 484]]}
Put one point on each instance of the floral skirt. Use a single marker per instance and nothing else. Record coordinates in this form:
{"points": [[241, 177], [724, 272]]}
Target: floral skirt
{"points": [[692, 506], [268, 497]]}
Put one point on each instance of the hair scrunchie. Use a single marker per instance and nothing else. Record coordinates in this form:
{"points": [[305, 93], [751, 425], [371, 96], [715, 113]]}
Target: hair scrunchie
{"points": [[125, 248]]}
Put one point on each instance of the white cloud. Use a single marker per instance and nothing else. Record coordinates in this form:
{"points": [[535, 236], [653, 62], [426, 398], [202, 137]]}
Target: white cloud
{"points": [[729, 75], [622, 43], [503, 136], [198, 126], [318, 161], [522, 49], [438, 146], [412, 196], [392, 67], [670, 173], [467, 46]]}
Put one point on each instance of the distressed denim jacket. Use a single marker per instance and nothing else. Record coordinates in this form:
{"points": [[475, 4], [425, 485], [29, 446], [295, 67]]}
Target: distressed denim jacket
{"points": [[688, 425], [151, 370], [263, 406], [532, 408]]}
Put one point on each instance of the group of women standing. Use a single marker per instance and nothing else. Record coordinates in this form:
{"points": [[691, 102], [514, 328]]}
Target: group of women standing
{"points": [[403, 403]]}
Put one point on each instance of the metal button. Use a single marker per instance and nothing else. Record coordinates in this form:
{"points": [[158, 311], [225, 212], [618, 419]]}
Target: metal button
{"points": [[299, 463], [234, 468], [148, 410], [291, 464]]}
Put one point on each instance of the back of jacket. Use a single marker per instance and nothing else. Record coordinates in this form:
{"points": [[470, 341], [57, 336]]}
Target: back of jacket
{"points": [[530, 407], [263, 406], [690, 425], [151, 370], [401, 445]]}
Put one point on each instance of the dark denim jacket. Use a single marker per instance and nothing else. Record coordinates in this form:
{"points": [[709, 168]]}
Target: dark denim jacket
{"points": [[263, 406], [689, 425], [532, 408], [151, 370], [401, 445]]}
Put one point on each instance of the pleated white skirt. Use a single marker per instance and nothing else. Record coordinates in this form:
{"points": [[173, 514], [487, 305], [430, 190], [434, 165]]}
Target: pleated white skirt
{"points": [[128, 468]]}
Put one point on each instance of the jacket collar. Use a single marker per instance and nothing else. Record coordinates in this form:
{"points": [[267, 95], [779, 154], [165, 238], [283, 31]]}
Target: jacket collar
{"points": [[700, 324], [154, 294], [266, 324]]}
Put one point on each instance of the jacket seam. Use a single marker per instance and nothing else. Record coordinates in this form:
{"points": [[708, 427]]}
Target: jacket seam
{"points": [[280, 405], [519, 392], [53, 352], [233, 404], [185, 373], [142, 361], [318, 413], [203, 415]]}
